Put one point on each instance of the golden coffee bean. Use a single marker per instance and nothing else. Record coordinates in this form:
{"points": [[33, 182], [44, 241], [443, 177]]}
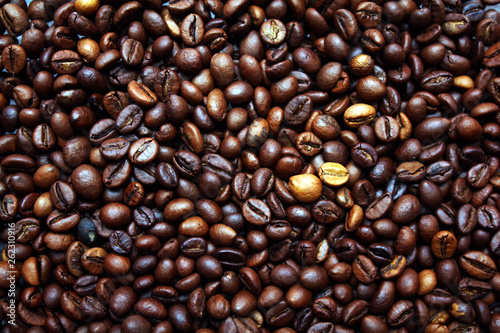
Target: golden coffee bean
{"points": [[322, 251], [495, 181], [88, 49], [441, 318], [173, 27], [436, 328], [86, 7], [405, 127], [333, 174], [354, 218], [257, 317], [428, 282], [463, 82], [362, 65], [305, 187], [344, 197], [43, 206], [359, 114]]}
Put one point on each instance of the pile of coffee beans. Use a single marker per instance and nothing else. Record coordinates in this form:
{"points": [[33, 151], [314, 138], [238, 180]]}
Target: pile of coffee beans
{"points": [[250, 166]]}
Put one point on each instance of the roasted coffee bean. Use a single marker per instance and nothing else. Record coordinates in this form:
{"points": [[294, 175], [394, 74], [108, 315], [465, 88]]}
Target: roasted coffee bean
{"points": [[477, 264], [359, 114], [400, 313], [364, 155], [14, 18], [333, 174], [143, 151], [66, 62], [354, 312], [305, 187], [63, 196], [273, 32], [411, 171], [14, 59], [298, 110], [141, 94], [256, 212], [444, 244]]}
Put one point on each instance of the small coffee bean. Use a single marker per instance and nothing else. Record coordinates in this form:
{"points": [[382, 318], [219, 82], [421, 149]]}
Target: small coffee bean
{"points": [[93, 260], [477, 264], [444, 244], [305, 187], [273, 32], [359, 114], [333, 174]]}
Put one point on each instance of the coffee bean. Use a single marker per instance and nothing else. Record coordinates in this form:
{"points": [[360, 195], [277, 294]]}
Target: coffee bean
{"points": [[444, 244], [387, 129], [364, 269], [364, 155], [333, 174], [477, 264], [359, 114], [400, 313], [411, 171], [14, 59], [305, 187], [405, 209], [14, 19], [346, 24], [141, 94], [298, 110], [66, 62], [273, 32], [478, 176], [256, 212]]}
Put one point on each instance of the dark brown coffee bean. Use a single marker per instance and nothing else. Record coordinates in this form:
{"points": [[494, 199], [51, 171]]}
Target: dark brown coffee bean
{"points": [[364, 269], [364, 155], [132, 52], [66, 62], [346, 24], [437, 82], [298, 110], [368, 14], [256, 212], [354, 312], [14, 19], [478, 176], [400, 313], [477, 264], [279, 315], [14, 59]]}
